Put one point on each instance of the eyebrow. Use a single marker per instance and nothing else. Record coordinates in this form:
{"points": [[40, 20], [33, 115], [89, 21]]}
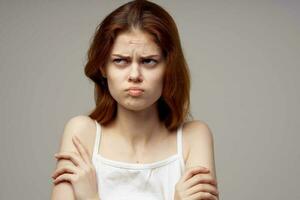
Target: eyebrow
{"points": [[150, 56]]}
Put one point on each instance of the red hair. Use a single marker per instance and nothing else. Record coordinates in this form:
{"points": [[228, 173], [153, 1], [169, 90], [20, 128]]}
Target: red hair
{"points": [[174, 104]]}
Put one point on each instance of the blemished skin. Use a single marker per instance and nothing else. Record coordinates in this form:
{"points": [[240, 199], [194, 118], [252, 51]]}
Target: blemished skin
{"points": [[136, 131]]}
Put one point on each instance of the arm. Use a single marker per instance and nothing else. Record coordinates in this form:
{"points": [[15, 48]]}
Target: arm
{"points": [[75, 126], [199, 179], [201, 151]]}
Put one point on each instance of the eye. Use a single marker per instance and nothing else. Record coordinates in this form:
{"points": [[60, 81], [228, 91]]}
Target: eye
{"points": [[149, 61], [119, 60]]}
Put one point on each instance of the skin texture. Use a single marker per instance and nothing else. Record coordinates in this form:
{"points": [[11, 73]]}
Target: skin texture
{"points": [[123, 73], [136, 134]]}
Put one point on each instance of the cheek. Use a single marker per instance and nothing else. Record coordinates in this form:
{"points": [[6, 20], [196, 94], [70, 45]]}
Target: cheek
{"points": [[115, 82], [156, 82]]}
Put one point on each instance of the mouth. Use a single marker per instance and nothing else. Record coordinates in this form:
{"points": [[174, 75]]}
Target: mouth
{"points": [[135, 92]]}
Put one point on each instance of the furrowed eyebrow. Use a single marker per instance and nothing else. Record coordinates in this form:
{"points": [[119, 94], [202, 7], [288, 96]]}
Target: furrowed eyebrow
{"points": [[127, 57]]}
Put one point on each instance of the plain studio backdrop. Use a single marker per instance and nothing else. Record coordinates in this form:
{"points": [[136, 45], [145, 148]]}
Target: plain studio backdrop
{"points": [[244, 63]]}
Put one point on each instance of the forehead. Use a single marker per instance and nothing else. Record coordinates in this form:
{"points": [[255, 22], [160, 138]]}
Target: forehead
{"points": [[135, 40]]}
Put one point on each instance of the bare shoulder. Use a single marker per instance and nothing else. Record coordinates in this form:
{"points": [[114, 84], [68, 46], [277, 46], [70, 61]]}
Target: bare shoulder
{"points": [[200, 142], [197, 129], [79, 122], [83, 127]]}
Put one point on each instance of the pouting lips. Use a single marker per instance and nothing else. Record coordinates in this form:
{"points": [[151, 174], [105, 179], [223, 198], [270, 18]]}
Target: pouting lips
{"points": [[135, 92]]}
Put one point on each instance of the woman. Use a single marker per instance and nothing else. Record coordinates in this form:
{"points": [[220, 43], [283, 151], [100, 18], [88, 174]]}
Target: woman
{"points": [[137, 143]]}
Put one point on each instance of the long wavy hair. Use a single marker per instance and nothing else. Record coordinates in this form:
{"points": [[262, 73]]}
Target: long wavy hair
{"points": [[174, 103]]}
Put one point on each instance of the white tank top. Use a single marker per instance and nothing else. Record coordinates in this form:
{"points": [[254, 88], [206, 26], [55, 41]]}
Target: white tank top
{"points": [[137, 181]]}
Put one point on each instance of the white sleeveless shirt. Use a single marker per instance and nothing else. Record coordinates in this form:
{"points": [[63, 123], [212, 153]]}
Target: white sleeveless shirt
{"points": [[137, 181]]}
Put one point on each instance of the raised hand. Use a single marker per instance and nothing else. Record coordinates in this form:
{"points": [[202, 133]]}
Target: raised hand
{"points": [[82, 175], [196, 184]]}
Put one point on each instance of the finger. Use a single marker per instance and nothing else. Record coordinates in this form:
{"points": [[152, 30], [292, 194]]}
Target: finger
{"points": [[192, 171], [65, 177], [203, 188], [66, 169], [200, 178], [74, 157], [203, 195], [81, 149]]}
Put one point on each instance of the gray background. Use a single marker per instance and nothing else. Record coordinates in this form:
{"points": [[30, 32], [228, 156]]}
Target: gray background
{"points": [[244, 62]]}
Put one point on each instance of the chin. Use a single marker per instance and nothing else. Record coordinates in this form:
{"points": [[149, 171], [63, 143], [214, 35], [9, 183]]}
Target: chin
{"points": [[136, 105]]}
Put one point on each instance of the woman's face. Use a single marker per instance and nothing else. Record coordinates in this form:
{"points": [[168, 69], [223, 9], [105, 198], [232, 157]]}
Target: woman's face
{"points": [[135, 61]]}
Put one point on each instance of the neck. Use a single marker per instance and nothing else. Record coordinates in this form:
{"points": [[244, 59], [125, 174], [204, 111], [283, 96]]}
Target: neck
{"points": [[138, 128]]}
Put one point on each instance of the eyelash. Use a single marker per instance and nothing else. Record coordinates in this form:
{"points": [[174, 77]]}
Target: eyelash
{"points": [[120, 59]]}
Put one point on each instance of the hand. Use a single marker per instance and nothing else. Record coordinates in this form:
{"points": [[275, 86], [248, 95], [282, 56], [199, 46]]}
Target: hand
{"points": [[82, 175], [197, 184]]}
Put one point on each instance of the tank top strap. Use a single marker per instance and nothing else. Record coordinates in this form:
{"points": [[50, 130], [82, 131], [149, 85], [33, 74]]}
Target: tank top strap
{"points": [[179, 140], [180, 147], [97, 140]]}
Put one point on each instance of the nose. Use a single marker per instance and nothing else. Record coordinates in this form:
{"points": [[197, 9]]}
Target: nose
{"points": [[135, 74]]}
